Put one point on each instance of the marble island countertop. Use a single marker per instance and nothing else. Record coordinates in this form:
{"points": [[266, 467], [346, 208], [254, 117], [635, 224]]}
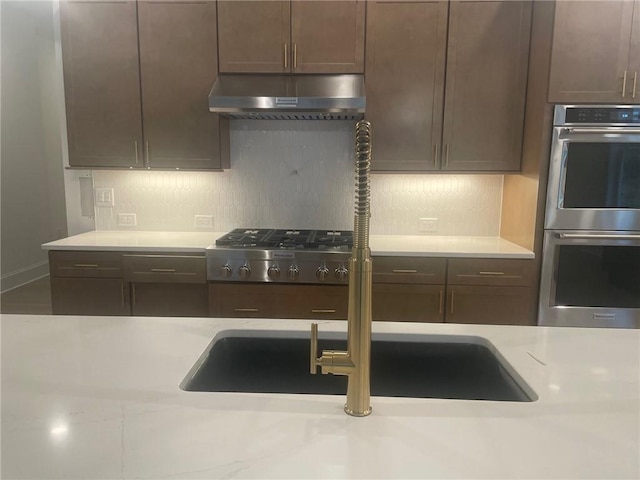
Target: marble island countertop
{"points": [[98, 397], [394, 245]]}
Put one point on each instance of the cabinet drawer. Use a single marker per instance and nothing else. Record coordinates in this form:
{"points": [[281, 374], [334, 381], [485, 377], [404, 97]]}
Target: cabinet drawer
{"points": [[408, 303], [85, 264], [489, 305], [329, 302], [164, 268], [242, 300], [409, 270], [490, 271]]}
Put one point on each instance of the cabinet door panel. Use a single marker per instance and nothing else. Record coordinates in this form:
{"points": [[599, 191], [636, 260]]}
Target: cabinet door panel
{"points": [[489, 305], [408, 303], [634, 57], [179, 61], [101, 83], [409, 270], [491, 271], [252, 36], [590, 51], [327, 36], [169, 299], [487, 64], [406, 44], [89, 296]]}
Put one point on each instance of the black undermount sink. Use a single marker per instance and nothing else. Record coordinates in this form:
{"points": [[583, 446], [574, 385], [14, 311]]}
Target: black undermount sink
{"points": [[463, 367]]}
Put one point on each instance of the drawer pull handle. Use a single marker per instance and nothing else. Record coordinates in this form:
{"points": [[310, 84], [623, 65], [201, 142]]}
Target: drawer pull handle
{"points": [[399, 270], [245, 310], [491, 273], [133, 294], [86, 265], [164, 270], [323, 310], [441, 302]]}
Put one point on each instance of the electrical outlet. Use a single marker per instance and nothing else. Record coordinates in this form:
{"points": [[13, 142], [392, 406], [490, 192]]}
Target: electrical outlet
{"points": [[127, 220], [204, 222], [104, 197], [428, 225]]}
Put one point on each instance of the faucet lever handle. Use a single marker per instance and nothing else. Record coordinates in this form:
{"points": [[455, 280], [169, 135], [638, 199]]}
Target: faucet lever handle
{"points": [[313, 356]]}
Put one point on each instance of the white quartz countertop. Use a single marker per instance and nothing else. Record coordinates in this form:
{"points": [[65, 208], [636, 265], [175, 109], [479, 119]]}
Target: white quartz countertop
{"points": [[395, 245], [98, 397]]}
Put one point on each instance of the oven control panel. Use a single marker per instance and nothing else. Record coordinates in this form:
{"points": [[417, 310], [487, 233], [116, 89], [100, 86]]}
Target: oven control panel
{"points": [[602, 115]]}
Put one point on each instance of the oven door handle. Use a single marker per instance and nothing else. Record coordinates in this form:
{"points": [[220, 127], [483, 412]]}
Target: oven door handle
{"points": [[597, 236], [612, 130]]}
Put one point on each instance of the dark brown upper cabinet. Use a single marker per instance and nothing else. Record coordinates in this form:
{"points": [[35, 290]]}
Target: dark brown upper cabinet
{"points": [[596, 52], [446, 84], [129, 65], [293, 36]]}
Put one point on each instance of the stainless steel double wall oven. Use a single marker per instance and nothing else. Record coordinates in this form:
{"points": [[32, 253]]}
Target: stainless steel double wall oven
{"points": [[591, 254]]}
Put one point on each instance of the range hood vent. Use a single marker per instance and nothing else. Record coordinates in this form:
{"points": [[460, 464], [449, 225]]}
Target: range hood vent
{"points": [[289, 97]]}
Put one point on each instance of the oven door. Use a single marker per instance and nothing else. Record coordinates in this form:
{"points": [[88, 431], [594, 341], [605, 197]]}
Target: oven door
{"points": [[590, 279], [594, 179]]}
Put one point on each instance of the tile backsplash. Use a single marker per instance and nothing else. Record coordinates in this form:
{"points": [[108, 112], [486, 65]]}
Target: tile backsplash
{"points": [[298, 174]]}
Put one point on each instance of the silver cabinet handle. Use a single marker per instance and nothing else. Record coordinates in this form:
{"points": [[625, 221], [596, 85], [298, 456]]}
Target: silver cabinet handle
{"points": [[133, 294], [399, 270], [323, 310], [446, 155], [286, 57], [435, 155], [122, 292], [491, 273], [245, 309], [441, 302], [624, 84], [635, 84], [147, 158], [135, 145], [163, 270], [453, 293], [597, 236], [86, 265], [295, 56]]}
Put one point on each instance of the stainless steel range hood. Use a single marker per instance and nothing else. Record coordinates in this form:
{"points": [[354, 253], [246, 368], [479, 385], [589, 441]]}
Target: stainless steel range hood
{"points": [[289, 97]]}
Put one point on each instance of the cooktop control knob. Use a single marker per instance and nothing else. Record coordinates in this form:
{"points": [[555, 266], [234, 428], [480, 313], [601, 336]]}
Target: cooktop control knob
{"points": [[322, 273], [341, 273], [244, 271], [225, 271], [273, 272], [293, 273]]}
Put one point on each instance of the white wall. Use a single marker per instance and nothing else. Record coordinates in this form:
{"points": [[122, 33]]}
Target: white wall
{"points": [[32, 185], [299, 175]]}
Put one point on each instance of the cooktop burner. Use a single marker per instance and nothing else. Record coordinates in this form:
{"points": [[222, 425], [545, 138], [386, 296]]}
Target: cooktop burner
{"points": [[287, 239]]}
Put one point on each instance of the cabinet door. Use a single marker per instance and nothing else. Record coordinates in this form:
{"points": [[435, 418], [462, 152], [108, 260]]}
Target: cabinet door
{"points": [[327, 36], [170, 299], [408, 303], [254, 36], [101, 83], [590, 52], [89, 296], [489, 305], [179, 63], [487, 64], [406, 44]]}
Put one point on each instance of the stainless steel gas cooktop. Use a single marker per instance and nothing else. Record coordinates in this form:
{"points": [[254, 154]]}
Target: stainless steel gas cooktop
{"points": [[281, 255]]}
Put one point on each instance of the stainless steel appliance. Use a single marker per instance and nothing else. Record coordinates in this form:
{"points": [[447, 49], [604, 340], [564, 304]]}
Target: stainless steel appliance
{"points": [[591, 254], [289, 97], [282, 256]]}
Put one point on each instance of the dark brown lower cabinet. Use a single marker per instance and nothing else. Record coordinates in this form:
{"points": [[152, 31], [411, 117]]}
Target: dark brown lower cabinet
{"points": [[255, 300], [489, 305], [89, 296], [169, 300], [408, 303]]}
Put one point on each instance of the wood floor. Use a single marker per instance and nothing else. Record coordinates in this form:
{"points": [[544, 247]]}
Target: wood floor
{"points": [[32, 298]]}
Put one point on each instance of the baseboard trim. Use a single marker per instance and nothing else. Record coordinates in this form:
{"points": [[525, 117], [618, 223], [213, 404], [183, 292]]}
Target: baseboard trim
{"points": [[16, 279]]}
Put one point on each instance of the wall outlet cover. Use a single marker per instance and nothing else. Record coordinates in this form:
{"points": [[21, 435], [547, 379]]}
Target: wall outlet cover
{"points": [[104, 197], [428, 225], [204, 222], [127, 220]]}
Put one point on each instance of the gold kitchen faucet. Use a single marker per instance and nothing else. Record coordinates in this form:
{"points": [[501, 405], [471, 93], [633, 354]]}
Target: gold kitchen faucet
{"points": [[355, 362]]}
